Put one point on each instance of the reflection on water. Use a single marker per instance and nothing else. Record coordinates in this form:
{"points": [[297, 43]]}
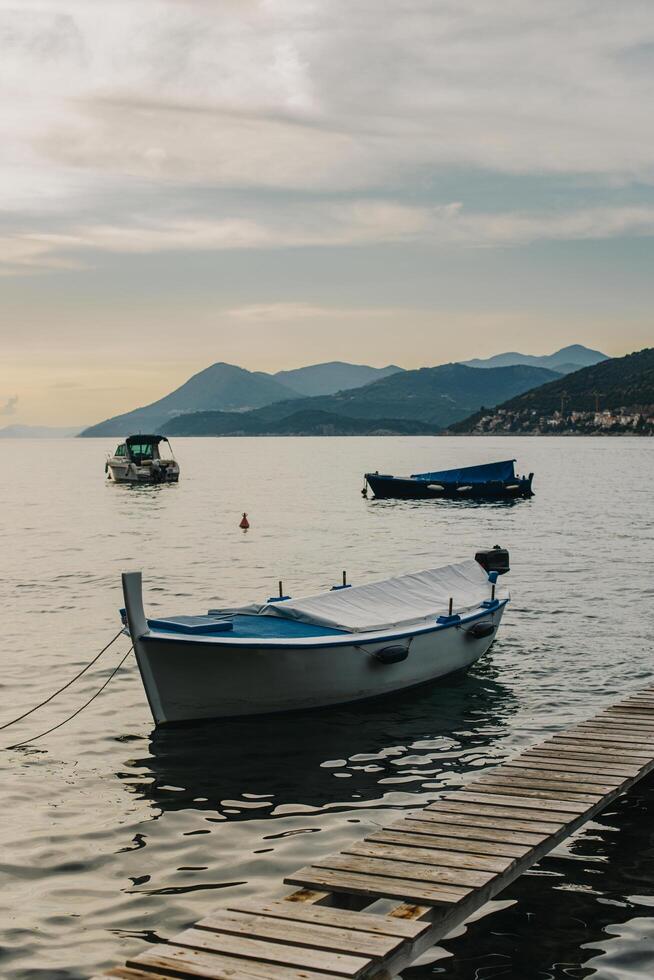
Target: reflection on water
{"points": [[420, 740], [453, 505], [113, 834]]}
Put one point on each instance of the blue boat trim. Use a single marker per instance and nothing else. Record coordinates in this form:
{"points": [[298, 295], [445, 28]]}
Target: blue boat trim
{"points": [[501, 472], [192, 624], [275, 628]]}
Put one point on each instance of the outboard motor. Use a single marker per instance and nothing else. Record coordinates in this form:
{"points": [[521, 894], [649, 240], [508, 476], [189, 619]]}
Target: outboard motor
{"points": [[494, 560]]}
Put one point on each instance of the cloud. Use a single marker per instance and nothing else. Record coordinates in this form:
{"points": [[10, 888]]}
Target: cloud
{"points": [[166, 125], [351, 224], [325, 95], [287, 313], [9, 407]]}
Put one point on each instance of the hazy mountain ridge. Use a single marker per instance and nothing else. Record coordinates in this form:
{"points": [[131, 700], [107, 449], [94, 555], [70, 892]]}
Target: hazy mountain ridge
{"points": [[17, 431], [333, 376], [220, 387], [308, 422], [563, 361], [617, 383], [430, 397], [228, 388]]}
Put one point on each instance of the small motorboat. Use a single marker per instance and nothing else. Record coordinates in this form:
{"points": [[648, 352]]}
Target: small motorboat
{"points": [[140, 460], [489, 481], [349, 644]]}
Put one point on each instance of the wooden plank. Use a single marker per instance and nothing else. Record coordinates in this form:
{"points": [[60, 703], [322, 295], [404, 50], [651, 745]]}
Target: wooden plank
{"points": [[124, 973], [475, 829], [460, 845], [376, 886], [599, 734], [461, 803], [443, 858], [598, 747], [504, 788], [300, 933], [645, 719], [526, 769], [497, 818], [622, 736], [457, 877], [541, 760], [642, 722], [213, 966], [645, 709], [337, 918], [549, 787], [628, 722], [244, 947], [406, 911], [588, 750], [526, 800], [562, 739], [618, 731], [594, 743]]}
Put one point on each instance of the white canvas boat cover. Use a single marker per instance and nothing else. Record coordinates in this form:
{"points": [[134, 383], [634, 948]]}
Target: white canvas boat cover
{"points": [[400, 601]]}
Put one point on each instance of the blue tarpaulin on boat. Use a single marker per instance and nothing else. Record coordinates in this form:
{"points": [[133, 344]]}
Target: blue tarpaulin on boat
{"points": [[471, 474]]}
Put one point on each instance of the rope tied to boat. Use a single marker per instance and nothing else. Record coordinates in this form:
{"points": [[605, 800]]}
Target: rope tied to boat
{"points": [[13, 721], [78, 711]]}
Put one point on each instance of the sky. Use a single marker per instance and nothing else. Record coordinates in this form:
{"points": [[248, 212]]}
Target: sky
{"points": [[283, 182]]}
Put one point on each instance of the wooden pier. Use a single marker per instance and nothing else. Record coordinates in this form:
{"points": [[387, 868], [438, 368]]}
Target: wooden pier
{"points": [[437, 866]]}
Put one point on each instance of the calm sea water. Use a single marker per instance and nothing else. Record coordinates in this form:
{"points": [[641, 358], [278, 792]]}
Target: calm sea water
{"points": [[114, 835]]}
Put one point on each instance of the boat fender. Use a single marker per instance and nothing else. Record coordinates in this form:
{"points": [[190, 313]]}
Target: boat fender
{"points": [[391, 655], [480, 631]]}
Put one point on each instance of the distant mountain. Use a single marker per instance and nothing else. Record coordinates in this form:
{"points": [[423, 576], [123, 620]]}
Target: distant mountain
{"points": [[222, 387], [620, 382], [309, 422], [435, 396], [39, 431], [227, 388], [563, 361], [327, 379], [438, 395]]}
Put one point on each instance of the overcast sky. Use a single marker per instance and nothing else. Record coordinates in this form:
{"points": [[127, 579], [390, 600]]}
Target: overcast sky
{"points": [[290, 181]]}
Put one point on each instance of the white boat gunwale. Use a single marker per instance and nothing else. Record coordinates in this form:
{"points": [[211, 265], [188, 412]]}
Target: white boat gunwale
{"points": [[328, 640]]}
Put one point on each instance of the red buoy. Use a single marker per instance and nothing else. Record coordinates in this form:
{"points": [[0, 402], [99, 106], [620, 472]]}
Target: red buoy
{"points": [[244, 522]]}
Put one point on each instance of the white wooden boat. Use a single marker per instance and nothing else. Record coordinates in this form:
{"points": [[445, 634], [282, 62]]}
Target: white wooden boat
{"points": [[140, 459], [349, 644]]}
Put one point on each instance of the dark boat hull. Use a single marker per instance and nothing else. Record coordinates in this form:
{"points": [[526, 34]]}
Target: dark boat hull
{"points": [[384, 486]]}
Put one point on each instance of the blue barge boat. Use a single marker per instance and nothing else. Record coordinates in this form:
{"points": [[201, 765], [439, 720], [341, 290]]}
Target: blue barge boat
{"points": [[489, 481]]}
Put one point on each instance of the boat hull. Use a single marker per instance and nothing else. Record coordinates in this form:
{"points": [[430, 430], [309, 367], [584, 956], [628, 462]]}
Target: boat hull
{"points": [[128, 473], [189, 679], [387, 487]]}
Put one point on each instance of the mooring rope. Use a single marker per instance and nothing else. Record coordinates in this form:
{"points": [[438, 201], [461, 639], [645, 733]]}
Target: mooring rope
{"points": [[13, 721], [54, 728]]}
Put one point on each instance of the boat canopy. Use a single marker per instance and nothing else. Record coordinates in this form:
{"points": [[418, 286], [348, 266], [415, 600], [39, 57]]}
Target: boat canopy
{"points": [[399, 601], [145, 440], [485, 473]]}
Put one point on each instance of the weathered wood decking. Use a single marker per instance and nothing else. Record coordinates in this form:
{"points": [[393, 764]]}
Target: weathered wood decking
{"points": [[438, 865]]}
